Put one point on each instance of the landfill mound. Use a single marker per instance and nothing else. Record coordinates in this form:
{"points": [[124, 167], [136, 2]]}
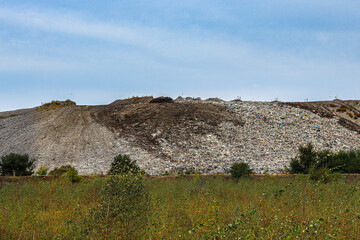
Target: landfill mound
{"points": [[347, 112], [188, 134]]}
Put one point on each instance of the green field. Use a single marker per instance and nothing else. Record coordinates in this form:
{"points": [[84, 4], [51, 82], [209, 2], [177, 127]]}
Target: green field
{"points": [[195, 207]]}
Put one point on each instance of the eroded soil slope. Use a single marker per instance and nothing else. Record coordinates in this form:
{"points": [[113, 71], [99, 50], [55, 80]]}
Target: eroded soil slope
{"points": [[148, 122]]}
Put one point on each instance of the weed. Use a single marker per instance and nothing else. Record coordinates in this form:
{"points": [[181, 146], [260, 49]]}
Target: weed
{"points": [[42, 171]]}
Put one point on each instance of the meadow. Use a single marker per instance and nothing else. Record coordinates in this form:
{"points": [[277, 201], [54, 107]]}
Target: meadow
{"points": [[196, 207]]}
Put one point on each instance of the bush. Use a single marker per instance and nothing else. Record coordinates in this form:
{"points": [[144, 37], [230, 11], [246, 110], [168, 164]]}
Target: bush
{"points": [[342, 108], [239, 170], [324, 175], [57, 104], [123, 164], [16, 164], [73, 175], [42, 171], [123, 212], [308, 158], [162, 100], [61, 170]]}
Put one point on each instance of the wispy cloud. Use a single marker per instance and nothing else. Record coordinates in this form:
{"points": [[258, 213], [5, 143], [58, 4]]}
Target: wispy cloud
{"points": [[142, 58]]}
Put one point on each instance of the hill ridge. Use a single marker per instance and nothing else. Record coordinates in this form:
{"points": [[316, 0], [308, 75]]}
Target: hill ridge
{"points": [[204, 135]]}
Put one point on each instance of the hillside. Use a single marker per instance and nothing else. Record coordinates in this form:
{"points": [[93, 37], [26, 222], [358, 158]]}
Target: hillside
{"points": [[186, 133]]}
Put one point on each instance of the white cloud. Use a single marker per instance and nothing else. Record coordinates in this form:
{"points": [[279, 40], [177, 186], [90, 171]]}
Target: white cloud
{"points": [[172, 61]]}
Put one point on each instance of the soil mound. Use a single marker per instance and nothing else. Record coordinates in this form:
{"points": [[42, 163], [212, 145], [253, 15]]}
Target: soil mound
{"points": [[148, 120]]}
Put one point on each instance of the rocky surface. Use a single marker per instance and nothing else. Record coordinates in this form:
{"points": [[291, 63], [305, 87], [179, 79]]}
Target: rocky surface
{"points": [[193, 134]]}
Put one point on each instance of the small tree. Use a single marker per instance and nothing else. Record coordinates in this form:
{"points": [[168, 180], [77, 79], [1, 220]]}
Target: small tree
{"points": [[20, 165], [239, 170], [306, 158], [123, 164]]}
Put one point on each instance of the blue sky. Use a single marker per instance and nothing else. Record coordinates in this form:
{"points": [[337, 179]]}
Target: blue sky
{"points": [[95, 52]]}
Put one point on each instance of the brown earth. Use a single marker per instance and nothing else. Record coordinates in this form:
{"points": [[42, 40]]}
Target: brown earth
{"points": [[173, 121]]}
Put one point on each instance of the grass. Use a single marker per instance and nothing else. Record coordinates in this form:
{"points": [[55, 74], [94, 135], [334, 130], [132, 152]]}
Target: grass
{"points": [[11, 115], [57, 104], [186, 208]]}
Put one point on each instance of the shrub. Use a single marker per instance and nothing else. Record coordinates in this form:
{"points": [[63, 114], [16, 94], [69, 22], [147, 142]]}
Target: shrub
{"points": [[323, 175], [162, 100], [61, 170], [73, 175], [123, 164], [239, 170], [57, 103], [124, 209], [342, 108], [308, 158], [20, 165], [42, 171]]}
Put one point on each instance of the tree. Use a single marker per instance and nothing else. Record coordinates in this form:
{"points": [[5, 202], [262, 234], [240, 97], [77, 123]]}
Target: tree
{"points": [[123, 164], [306, 158], [20, 165]]}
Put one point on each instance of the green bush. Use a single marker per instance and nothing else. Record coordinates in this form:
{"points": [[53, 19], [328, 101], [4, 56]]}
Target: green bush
{"points": [[308, 158], [61, 170], [56, 104], [323, 175], [239, 170], [42, 171], [123, 164], [16, 164], [123, 212], [73, 175]]}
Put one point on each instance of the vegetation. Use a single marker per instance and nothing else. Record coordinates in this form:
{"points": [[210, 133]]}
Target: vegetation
{"points": [[179, 208], [123, 164], [122, 212], [342, 109], [62, 170], [239, 170], [42, 171], [16, 164], [341, 162], [73, 176], [162, 100], [57, 104], [11, 115]]}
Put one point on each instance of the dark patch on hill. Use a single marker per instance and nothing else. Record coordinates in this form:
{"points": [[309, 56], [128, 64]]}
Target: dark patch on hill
{"points": [[148, 120]]}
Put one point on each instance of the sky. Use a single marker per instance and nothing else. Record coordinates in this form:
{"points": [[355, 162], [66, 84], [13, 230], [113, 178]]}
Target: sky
{"points": [[94, 52]]}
